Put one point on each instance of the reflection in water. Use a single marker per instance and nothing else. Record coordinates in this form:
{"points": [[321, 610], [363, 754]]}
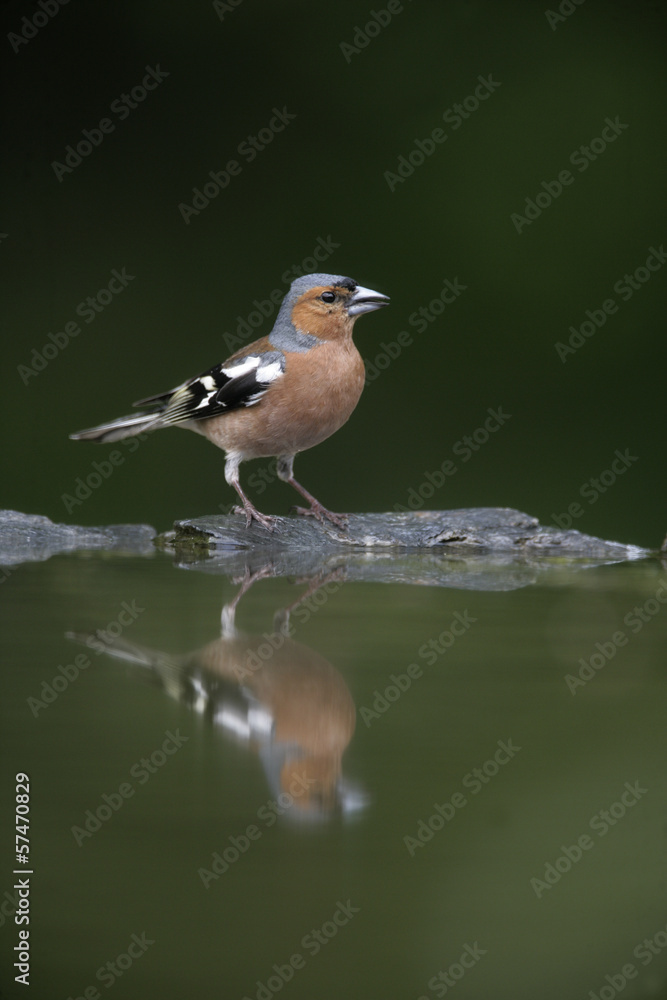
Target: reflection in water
{"points": [[278, 697]]}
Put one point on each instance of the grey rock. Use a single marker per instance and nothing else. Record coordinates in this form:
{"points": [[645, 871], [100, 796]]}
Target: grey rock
{"points": [[34, 538], [477, 549], [475, 530]]}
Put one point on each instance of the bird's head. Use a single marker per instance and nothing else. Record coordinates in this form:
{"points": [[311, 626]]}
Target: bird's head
{"points": [[327, 305]]}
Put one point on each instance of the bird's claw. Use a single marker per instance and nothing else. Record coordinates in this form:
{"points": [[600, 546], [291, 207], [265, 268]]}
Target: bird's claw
{"points": [[251, 514], [320, 512]]}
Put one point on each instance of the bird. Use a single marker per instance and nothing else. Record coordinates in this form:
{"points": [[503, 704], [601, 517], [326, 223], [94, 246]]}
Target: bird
{"points": [[275, 397], [280, 699]]}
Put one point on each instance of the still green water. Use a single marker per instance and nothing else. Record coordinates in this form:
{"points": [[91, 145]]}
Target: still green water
{"points": [[495, 823]]}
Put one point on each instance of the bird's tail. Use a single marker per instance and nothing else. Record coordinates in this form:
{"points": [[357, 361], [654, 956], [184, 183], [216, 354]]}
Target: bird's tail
{"points": [[168, 671], [124, 427]]}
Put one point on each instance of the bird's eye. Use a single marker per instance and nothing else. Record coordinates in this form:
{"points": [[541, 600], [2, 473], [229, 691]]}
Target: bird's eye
{"points": [[328, 297]]}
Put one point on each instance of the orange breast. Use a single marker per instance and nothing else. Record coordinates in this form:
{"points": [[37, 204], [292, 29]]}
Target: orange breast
{"points": [[316, 395]]}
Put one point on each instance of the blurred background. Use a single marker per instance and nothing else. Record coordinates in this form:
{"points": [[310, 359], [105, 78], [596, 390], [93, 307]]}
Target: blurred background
{"points": [[361, 88]]}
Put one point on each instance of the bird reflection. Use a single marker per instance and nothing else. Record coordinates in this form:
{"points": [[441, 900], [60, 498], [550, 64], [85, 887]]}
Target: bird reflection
{"points": [[276, 696]]}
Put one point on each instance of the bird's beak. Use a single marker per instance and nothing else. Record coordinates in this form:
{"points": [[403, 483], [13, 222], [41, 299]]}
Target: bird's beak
{"points": [[365, 300]]}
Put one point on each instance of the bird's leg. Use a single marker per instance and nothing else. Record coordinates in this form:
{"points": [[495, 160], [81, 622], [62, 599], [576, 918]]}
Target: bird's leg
{"points": [[228, 614], [250, 511], [316, 509], [282, 617]]}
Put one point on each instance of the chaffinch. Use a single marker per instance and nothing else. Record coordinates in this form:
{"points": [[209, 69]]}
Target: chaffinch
{"points": [[276, 397], [278, 697]]}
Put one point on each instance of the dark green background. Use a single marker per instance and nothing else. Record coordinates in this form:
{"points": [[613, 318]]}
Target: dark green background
{"points": [[324, 176]]}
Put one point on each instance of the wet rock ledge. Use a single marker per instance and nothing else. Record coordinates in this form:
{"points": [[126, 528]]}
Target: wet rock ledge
{"points": [[474, 530], [496, 531], [34, 538]]}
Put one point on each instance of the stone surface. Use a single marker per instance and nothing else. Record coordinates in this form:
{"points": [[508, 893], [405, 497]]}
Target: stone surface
{"points": [[34, 538], [478, 549], [475, 530]]}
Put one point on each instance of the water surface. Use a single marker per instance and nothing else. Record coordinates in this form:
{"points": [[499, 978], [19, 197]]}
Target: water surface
{"points": [[391, 790]]}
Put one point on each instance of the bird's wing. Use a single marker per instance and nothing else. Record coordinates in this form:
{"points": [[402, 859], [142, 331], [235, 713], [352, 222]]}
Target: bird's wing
{"points": [[160, 399], [228, 386]]}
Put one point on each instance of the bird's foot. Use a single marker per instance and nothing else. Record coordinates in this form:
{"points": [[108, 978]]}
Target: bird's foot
{"points": [[317, 510], [252, 514]]}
